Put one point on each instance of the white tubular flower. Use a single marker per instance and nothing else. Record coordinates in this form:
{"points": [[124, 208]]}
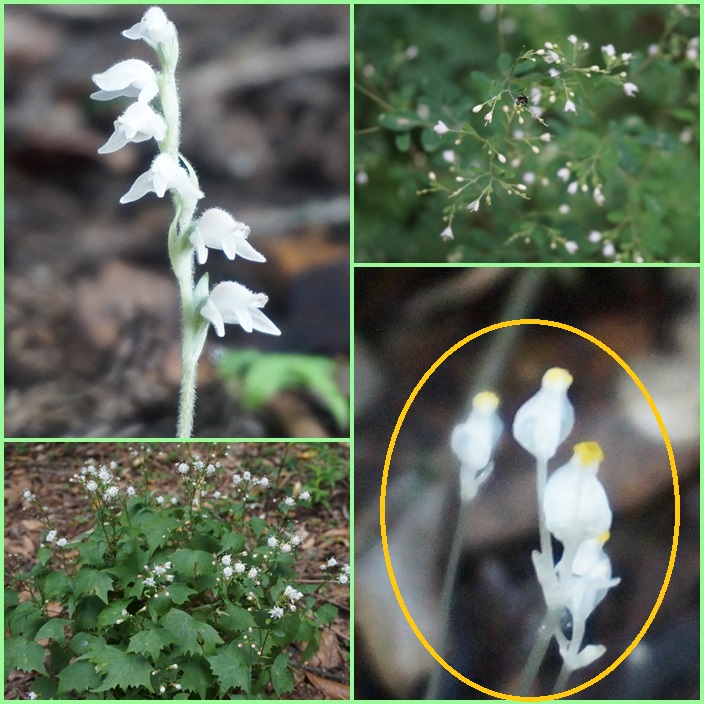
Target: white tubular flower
{"points": [[137, 124], [230, 302], [219, 230], [570, 107], [441, 128], [446, 235], [575, 503], [165, 174], [154, 28], [474, 442], [132, 78], [544, 421]]}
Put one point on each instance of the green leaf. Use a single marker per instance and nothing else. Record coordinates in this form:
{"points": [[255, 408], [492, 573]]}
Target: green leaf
{"points": [[233, 542], [179, 592], [78, 677], [92, 581], [230, 671], [157, 528], [281, 676], [236, 619], [190, 562], [43, 555], [403, 141], [504, 62], [400, 120], [56, 584], [196, 676], [11, 598], [93, 551], [54, 629], [23, 654], [110, 615], [120, 669], [150, 642], [325, 614], [26, 619], [80, 643], [190, 633]]}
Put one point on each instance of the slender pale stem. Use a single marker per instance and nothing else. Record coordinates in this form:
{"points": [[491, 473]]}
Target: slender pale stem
{"points": [[537, 654], [541, 481]]}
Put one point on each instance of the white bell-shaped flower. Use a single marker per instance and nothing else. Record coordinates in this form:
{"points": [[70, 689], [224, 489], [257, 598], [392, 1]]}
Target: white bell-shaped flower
{"points": [[544, 421], [217, 229], [474, 442], [137, 124], [230, 302], [131, 78], [165, 174], [154, 28], [575, 503]]}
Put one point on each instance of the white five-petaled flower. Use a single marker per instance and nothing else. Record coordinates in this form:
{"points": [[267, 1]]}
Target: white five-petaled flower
{"points": [[544, 421], [572, 39], [137, 124], [571, 247], [62, 542], [226, 559], [570, 107], [551, 57], [474, 442], [230, 302], [304, 495], [132, 78], [608, 249], [92, 485], [154, 28], [630, 89], [276, 612], [441, 128], [217, 229], [272, 542], [564, 174], [240, 567], [572, 188], [609, 50], [227, 572], [50, 536], [474, 205], [595, 236], [164, 174]]}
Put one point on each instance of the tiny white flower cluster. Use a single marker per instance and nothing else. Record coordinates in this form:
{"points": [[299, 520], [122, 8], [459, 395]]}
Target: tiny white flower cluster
{"points": [[51, 537], [343, 568], [159, 578], [231, 569], [99, 482]]}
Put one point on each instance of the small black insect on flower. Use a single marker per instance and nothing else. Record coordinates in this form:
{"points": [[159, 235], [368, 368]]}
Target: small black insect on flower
{"points": [[521, 101]]}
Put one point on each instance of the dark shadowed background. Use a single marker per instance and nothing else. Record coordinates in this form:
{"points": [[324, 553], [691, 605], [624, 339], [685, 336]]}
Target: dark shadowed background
{"points": [[91, 309]]}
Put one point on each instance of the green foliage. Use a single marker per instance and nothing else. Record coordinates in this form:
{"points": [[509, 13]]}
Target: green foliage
{"points": [[628, 188], [173, 600], [257, 376]]}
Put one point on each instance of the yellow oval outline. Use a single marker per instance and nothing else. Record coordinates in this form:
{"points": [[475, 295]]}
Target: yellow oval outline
{"points": [[382, 510]]}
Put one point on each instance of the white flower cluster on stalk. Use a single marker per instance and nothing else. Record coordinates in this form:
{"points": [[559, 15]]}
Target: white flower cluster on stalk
{"points": [[228, 302], [573, 508]]}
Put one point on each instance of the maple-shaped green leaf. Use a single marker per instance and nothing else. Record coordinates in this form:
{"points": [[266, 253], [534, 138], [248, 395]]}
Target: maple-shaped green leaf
{"points": [[92, 581], [150, 642], [231, 672], [281, 676], [110, 615], [194, 637], [56, 584], [121, 669], [236, 619], [196, 676], [192, 562], [179, 592], [79, 676], [54, 629], [23, 654]]}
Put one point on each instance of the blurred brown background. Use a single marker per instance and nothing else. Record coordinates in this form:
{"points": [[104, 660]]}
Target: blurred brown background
{"points": [[405, 320], [91, 309]]}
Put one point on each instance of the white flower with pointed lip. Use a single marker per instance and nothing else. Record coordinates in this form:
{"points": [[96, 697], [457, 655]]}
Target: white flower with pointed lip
{"points": [[137, 124], [165, 174], [132, 78], [154, 28], [230, 302], [544, 421], [217, 229]]}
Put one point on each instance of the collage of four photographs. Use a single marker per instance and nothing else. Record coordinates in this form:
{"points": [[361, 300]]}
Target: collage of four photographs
{"points": [[352, 352]]}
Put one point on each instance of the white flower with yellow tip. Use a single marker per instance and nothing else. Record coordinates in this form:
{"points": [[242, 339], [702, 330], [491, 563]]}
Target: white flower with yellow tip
{"points": [[545, 420], [474, 442], [575, 503]]}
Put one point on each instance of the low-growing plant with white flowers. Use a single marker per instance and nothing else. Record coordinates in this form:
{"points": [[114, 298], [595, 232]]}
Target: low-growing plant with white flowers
{"points": [[189, 235], [565, 150], [198, 597], [573, 508]]}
